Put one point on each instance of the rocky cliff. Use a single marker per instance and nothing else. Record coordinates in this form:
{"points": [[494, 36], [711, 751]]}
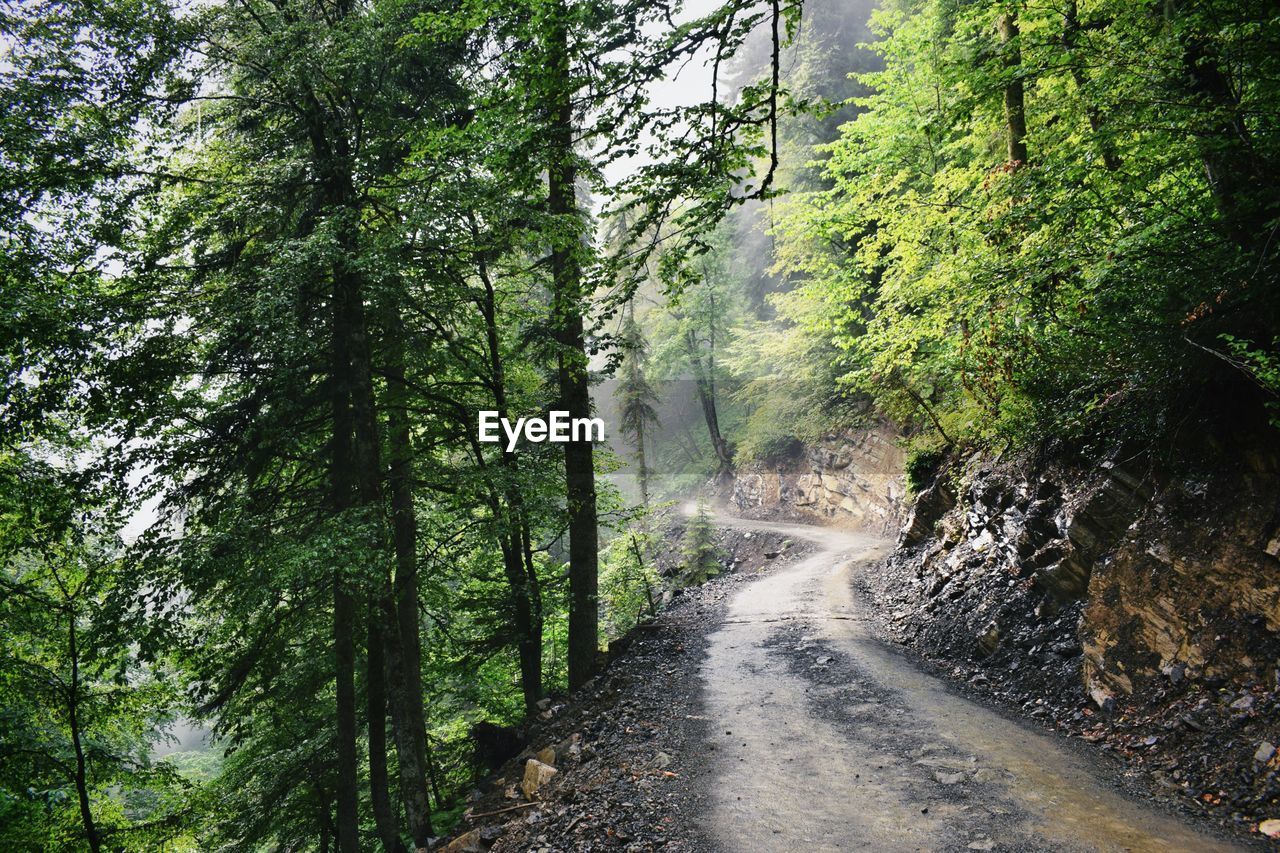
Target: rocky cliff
{"points": [[1133, 604], [853, 478]]}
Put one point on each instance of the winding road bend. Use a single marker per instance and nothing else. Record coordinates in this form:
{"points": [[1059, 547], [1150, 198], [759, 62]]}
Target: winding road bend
{"points": [[826, 740]]}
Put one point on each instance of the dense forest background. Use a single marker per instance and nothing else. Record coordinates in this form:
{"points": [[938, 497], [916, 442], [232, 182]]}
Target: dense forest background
{"points": [[265, 260]]}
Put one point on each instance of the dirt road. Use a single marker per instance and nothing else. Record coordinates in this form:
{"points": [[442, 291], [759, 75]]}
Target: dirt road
{"points": [[827, 740]]}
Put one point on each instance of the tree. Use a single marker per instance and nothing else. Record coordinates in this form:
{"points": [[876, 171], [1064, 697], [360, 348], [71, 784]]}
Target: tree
{"points": [[629, 583], [568, 295], [80, 709], [637, 399], [1015, 106], [701, 554], [269, 225], [694, 329], [284, 251]]}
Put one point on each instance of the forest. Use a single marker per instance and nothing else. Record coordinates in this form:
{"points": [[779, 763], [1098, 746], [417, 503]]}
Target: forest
{"points": [[263, 586]]}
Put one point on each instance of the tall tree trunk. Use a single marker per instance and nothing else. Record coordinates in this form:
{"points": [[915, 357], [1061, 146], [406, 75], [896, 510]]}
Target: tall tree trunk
{"points": [[406, 703], [1015, 111], [575, 392], [642, 467], [384, 813], [408, 714], [332, 160], [73, 716], [530, 651], [345, 677], [535, 600], [347, 789], [354, 434]]}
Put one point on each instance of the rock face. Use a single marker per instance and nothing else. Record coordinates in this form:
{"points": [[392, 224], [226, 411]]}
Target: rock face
{"points": [[1150, 576], [1190, 591], [1172, 575], [1130, 602], [854, 478]]}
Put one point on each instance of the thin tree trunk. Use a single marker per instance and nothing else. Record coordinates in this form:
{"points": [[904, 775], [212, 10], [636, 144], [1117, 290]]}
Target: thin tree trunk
{"points": [[648, 588], [1015, 113], [704, 381], [642, 465], [384, 814], [530, 651], [347, 789], [575, 393], [636, 367], [73, 715], [433, 777], [326, 818], [723, 453], [408, 714], [535, 598]]}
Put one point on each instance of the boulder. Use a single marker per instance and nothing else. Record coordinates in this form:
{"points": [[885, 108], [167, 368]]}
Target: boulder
{"points": [[536, 774], [470, 842]]}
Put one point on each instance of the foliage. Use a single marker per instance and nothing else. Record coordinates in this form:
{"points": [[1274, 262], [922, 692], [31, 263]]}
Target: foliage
{"points": [[1068, 295], [922, 464], [630, 588], [701, 553], [79, 709], [265, 260]]}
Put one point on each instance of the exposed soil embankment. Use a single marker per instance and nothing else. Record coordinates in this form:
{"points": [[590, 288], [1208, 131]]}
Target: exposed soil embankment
{"points": [[1133, 609]]}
